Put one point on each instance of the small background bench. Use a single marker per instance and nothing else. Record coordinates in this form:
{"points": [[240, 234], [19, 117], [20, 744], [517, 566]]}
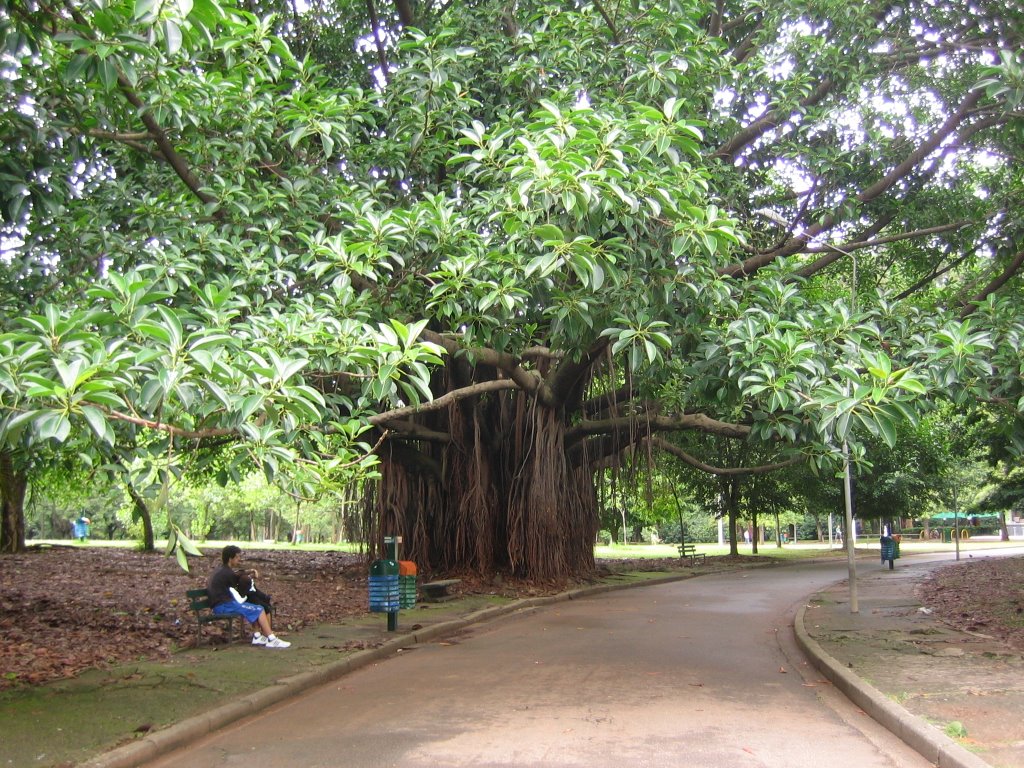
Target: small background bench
{"points": [[199, 603], [437, 591], [690, 551]]}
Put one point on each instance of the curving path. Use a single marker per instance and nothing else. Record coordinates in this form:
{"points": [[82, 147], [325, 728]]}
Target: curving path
{"points": [[702, 672]]}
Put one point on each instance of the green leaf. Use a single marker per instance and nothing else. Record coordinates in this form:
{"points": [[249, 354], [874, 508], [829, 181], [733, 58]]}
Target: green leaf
{"points": [[180, 554], [186, 543], [886, 428], [172, 540], [172, 39], [98, 423], [144, 7], [549, 232], [54, 425]]}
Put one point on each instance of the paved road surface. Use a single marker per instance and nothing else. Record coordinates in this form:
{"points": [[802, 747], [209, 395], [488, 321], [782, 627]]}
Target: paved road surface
{"points": [[700, 673]]}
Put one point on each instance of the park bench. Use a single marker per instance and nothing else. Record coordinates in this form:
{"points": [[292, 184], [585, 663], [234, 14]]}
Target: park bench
{"points": [[199, 603], [690, 551], [437, 591]]}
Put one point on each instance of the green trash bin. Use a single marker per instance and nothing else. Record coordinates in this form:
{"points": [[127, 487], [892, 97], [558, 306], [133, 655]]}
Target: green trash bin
{"points": [[406, 584], [890, 550]]}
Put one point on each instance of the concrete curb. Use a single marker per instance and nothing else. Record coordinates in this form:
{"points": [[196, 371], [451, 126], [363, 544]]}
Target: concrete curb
{"points": [[186, 731], [931, 743]]}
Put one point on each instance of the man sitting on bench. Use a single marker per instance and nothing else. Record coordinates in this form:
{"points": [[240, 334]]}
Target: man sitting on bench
{"points": [[227, 600]]}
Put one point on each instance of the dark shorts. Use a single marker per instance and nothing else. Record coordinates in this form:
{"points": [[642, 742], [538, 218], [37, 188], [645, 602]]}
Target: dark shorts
{"points": [[247, 611]]}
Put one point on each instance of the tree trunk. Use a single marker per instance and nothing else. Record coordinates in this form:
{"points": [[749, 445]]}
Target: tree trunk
{"points": [[142, 513], [725, 485], [500, 495], [1004, 532], [13, 487]]}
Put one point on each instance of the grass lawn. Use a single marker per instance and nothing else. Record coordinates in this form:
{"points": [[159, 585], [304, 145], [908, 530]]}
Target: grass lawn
{"points": [[795, 550], [790, 551], [161, 544]]}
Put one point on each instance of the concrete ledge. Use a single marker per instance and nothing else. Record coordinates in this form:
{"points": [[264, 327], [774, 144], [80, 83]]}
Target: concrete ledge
{"points": [[931, 743]]}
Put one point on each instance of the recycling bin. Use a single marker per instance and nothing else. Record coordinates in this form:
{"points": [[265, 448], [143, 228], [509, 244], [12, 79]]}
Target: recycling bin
{"points": [[406, 584], [384, 586]]}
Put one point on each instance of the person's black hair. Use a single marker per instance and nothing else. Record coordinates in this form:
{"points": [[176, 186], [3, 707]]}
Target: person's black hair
{"points": [[228, 552]]}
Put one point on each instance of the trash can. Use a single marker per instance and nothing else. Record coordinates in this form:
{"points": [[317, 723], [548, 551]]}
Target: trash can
{"points": [[406, 584], [890, 547], [383, 586]]}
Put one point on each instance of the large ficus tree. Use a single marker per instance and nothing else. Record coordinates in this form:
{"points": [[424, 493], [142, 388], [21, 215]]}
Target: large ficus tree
{"points": [[496, 245]]}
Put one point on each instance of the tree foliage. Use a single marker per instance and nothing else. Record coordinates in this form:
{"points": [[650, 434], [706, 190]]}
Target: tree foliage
{"points": [[492, 245]]}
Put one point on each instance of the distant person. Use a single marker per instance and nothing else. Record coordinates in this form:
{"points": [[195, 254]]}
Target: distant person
{"points": [[81, 528], [227, 598]]}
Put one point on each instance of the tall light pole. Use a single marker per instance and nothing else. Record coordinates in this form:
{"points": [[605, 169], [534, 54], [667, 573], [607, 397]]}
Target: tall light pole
{"points": [[851, 560]]}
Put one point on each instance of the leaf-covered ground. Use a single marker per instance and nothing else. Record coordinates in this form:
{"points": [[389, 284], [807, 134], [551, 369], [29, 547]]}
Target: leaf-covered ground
{"points": [[983, 595], [65, 609]]}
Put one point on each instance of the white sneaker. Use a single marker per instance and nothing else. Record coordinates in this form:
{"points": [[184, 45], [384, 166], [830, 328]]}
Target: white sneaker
{"points": [[259, 639], [276, 642]]}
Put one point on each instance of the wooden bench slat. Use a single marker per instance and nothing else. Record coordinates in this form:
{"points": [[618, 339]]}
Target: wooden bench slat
{"points": [[437, 591], [690, 551], [199, 604]]}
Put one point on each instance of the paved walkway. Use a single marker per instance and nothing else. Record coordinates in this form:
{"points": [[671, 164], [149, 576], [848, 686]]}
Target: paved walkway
{"points": [[701, 672]]}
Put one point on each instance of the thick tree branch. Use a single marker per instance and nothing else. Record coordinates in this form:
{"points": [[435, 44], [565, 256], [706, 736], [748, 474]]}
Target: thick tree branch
{"points": [[382, 58], [405, 13], [608, 20], [971, 304], [444, 401], [834, 253], [763, 469], [681, 423], [170, 154], [568, 373], [899, 172], [714, 26], [411, 430], [771, 119], [929, 145], [526, 380], [156, 131], [170, 429], [745, 47]]}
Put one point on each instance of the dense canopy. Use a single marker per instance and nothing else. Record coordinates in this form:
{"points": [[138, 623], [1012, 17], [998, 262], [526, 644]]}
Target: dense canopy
{"points": [[494, 245]]}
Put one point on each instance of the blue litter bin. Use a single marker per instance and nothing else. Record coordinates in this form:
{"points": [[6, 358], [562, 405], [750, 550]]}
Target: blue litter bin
{"points": [[383, 586]]}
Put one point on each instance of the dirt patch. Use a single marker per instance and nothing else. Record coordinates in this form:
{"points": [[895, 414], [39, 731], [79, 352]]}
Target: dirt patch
{"points": [[983, 595], [65, 609]]}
